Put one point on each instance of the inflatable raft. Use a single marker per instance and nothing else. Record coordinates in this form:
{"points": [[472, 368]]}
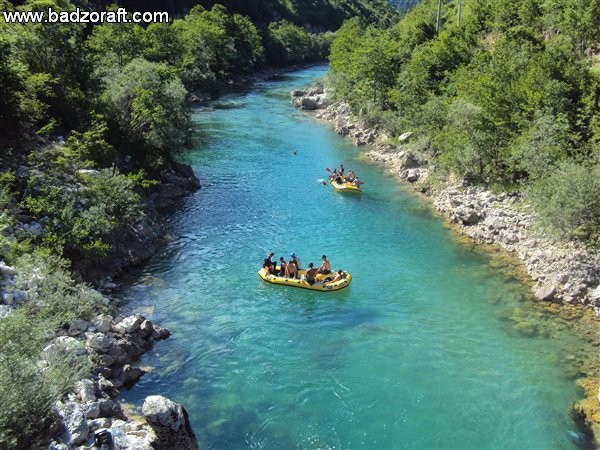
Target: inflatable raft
{"points": [[346, 186], [301, 283]]}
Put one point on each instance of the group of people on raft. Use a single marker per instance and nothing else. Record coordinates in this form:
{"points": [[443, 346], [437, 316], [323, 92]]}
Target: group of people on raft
{"points": [[292, 267], [350, 177]]}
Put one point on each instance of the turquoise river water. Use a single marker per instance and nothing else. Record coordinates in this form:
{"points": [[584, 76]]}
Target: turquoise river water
{"points": [[422, 351]]}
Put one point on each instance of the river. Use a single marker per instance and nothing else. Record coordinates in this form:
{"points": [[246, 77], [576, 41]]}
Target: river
{"points": [[434, 345]]}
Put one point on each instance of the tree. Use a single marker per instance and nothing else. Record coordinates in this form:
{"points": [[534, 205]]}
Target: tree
{"points": [[145, 101]]}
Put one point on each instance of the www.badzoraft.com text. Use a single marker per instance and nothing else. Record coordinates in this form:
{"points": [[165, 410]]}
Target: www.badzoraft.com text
{"points": [[79, 16]]}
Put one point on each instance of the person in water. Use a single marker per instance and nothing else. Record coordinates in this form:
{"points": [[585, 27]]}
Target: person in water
{"points": [[325, 267], [282, 266], [310, 274], [290, 269], [269, 264], [296, 260]]}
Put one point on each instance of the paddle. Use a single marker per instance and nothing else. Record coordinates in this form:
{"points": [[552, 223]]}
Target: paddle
{"points": [[327, 169]]}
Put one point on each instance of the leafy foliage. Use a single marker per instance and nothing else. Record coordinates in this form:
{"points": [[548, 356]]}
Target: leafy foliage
{"points": [[79, 207], [509, 96]]}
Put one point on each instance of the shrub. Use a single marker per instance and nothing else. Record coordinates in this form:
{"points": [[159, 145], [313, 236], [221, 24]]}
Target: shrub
{"points": [[568, 201], [29, 389]]}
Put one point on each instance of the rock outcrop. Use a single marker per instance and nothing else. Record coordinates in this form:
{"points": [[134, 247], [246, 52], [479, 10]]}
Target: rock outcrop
{"points": [[117, 343], [170, 423], [313, 98]]}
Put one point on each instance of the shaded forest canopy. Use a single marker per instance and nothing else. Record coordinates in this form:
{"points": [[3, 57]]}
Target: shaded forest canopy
{"points": [[508, 97]]}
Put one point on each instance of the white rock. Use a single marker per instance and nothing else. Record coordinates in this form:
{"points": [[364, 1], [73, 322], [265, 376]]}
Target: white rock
{"points": [[98, 341], [8, 298], [73, 418], [161, 411], [102, 323], [62, 347], [7, 270], [128, 325]]}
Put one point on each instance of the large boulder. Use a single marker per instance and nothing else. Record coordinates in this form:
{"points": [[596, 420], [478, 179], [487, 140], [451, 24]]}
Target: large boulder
{"points": [[6, 270], [102, 323], [75, 424], [62, 347], [170, 422], [99, 342], [128, 325], [544, 292], [468, 216], [131, 435]]}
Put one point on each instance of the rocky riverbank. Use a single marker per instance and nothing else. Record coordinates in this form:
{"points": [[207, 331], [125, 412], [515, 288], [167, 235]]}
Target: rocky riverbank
{"points": [[90, 415], [561, 272]]}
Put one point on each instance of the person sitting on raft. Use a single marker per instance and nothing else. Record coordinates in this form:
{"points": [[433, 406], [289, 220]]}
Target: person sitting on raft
{"points": [[325, 267], [310, 274], [291, 270], [269, 264], [282, 266], [351, 176], [333, 175], [357, 182], [340, 275], [296, 260]]}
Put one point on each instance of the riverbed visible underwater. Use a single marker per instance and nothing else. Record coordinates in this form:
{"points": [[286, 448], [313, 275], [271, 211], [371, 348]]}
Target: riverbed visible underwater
{"points": [[434, 345]]}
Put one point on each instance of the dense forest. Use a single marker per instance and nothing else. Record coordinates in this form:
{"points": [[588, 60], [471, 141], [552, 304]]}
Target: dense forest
{"points": [[90, 120], [504, 93]]}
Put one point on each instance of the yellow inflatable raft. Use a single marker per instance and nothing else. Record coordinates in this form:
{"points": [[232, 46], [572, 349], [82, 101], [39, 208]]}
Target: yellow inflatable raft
{"points": [[346, 186], [301, 283]]}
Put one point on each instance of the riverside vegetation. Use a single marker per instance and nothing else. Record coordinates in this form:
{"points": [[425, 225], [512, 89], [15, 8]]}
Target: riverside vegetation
{"points": [[509, 97], [90, 118]]}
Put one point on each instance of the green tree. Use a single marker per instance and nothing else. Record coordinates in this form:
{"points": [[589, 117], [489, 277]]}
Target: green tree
{"points": [[145, 102]]}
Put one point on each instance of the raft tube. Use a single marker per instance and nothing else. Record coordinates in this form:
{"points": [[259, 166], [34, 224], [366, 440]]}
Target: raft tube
{"points": [[301, 283], [346, 186]]}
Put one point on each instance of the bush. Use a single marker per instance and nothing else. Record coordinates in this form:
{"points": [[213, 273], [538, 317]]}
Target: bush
{"points": [[79, 209], [29, 388], [568, 201]]}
